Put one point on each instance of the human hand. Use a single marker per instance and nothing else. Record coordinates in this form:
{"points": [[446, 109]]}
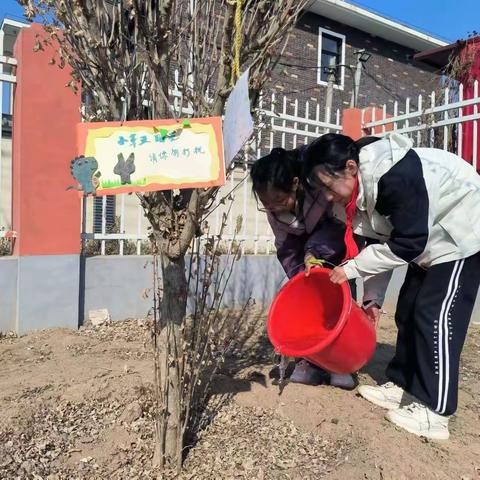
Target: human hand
{"points": [[310, 261], [373, 312], [337, 275]]}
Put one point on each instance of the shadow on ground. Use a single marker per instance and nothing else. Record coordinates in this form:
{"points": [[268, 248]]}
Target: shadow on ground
{"points": [[376, 367]]}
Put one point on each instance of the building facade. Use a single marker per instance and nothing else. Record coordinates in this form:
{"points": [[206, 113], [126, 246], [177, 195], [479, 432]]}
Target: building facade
{"points": [[333, 33]]}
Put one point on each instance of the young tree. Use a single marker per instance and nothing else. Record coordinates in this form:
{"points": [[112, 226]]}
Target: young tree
{"points": [[123, 54]]}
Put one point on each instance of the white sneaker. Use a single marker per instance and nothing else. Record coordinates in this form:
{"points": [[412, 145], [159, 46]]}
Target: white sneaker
{"points": [[387, 395], [420, 420]]}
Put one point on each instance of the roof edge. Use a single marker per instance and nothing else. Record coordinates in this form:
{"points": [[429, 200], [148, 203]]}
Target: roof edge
{"points": [[374, 20]]}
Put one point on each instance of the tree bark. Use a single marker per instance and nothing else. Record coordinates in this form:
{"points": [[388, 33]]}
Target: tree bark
{"points": [[174, 301], [172, 313]]}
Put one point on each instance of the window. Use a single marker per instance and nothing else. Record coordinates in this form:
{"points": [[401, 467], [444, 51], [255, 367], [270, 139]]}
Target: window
{"points": [[109, 214], [331, 52]]}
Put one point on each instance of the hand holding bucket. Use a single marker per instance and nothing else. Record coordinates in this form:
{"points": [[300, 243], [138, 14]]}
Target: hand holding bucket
{"points": [[318, 320]]}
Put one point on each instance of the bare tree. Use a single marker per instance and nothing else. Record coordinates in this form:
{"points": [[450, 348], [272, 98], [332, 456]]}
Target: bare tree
{"points": [[124, 54]]}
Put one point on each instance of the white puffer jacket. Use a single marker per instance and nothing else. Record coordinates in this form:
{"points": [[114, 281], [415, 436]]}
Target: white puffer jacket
{"points": [[422, 205]]}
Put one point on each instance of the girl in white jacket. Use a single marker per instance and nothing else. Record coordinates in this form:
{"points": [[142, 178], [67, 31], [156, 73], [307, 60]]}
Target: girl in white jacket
{"points": [[421, 207]]}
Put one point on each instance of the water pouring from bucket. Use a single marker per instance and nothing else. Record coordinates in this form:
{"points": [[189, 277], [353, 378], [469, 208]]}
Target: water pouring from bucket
{"points": [[315, 319]]}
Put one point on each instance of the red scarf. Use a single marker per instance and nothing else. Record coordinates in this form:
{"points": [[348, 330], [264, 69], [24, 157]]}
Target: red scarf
{"points": [[351, 248]]}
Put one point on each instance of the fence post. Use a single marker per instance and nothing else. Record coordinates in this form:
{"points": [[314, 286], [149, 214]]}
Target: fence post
{"points": [[371, 114], [352, 123], [45, 216]]}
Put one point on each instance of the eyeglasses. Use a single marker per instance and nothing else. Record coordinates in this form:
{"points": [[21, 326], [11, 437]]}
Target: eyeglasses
{"points": [[277, 206]]}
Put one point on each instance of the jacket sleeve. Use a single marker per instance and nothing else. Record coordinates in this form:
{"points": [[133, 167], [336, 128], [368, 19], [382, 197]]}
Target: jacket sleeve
{"points": [[290, 249], [403, 199], [290, 253], [375, 286], [327, 241]]}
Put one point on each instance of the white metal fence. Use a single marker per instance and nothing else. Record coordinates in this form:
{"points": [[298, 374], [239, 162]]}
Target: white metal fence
{"points": [[446, 119], [440, 120], [281, 122]]}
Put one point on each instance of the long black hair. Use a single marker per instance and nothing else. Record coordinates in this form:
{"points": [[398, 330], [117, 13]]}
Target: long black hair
{"points": [[276, 170], [331, 152]]}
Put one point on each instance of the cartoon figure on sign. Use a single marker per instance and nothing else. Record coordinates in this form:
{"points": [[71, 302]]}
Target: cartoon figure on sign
{"points": [[84, 171], [125, 168]]}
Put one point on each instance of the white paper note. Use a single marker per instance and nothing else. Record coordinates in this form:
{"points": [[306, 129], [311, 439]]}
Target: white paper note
{"points": [[238, 121]]}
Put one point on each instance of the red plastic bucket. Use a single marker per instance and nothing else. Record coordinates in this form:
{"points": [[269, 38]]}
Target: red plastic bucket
{"points": [[313, 318]]}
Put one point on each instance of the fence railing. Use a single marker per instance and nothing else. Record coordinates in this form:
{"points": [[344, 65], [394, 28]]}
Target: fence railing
{"points": [[446, 119], [439, 120], [281, 121]]}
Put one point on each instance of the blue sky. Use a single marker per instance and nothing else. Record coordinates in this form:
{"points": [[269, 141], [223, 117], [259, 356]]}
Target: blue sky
{"points": [[10, 8], [449, 19], [446, 19]]}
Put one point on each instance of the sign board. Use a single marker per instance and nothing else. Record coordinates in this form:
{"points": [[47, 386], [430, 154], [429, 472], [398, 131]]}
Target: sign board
{"points": [[147, 155]]}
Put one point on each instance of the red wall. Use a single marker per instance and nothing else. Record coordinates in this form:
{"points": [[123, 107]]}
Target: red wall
{"points": [[45, 216]]}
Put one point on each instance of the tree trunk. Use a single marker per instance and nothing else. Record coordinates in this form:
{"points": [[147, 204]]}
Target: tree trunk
{"points": [[174, 298], [172, 313]]}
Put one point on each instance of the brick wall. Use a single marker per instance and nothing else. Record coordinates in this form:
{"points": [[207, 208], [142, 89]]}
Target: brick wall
{"points": [[389, 75]]}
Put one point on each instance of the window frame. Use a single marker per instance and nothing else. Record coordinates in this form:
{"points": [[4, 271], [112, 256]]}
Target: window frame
{"points": [[322, 31]]}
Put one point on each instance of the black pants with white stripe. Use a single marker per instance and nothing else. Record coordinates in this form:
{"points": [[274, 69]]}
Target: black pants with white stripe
{"points": [[433, 312]]}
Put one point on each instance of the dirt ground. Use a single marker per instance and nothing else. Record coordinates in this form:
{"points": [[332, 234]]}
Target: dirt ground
{"points": [[78, 405]]}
